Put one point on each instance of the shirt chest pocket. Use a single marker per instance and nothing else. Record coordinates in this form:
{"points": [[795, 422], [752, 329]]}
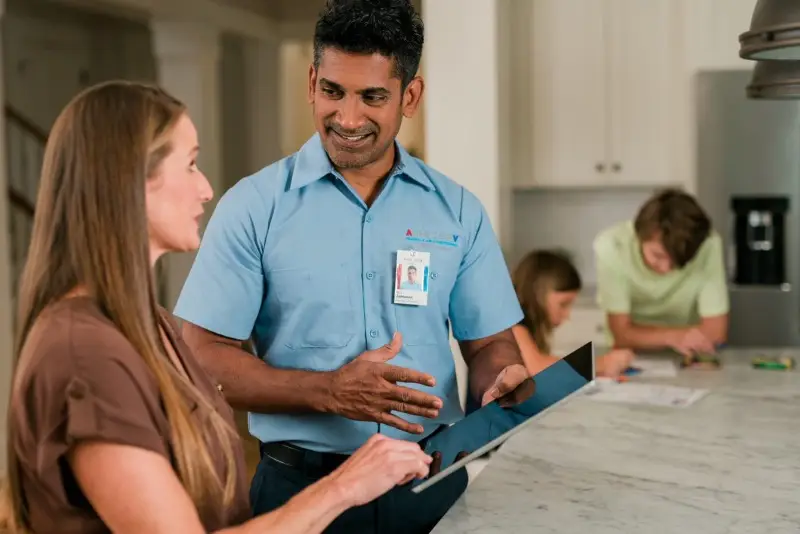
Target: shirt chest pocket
{"points": [[427, 325], [315, 307]]}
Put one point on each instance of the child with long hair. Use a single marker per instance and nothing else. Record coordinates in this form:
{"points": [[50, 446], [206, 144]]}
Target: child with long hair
{"points": [[547, 284]]}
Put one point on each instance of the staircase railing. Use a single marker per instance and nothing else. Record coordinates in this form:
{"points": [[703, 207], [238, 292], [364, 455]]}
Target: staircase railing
{"points": [[25, 151]]}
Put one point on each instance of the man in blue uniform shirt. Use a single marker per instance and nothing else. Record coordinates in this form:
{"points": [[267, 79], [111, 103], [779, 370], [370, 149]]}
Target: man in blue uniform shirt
{"points": [[305, 258]]}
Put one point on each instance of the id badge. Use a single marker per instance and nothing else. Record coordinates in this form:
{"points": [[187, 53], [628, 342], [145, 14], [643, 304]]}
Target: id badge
{"points": [[411, 277]]}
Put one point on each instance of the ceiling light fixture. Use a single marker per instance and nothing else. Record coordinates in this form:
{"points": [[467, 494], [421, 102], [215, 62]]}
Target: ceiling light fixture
{"points": [[775, 80], [774, 31]]}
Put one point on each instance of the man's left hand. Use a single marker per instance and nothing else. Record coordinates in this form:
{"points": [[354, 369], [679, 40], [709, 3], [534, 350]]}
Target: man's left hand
{"points": [[512, 386]]}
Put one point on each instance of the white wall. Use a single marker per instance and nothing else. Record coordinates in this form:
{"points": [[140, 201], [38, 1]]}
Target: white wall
{"points": [[467, 118]]}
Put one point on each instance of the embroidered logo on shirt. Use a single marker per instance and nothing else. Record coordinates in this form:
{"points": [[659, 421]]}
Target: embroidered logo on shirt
{"points": [[436, 238]]}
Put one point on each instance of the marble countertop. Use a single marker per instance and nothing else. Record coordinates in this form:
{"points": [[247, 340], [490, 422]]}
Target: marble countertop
{"points": [[728, 464]]}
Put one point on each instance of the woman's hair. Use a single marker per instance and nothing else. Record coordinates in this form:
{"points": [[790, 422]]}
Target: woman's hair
{"points": [[90, 231], [540, 272]]}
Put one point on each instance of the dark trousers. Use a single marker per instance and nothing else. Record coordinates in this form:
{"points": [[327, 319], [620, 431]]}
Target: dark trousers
{"points": [[398, 511]]}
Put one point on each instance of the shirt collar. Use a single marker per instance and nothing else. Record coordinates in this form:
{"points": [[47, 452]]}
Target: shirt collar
{"points": [[313, 164]]}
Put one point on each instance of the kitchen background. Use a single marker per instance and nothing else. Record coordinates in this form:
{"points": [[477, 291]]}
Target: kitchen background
{"points": [[562, 116]]}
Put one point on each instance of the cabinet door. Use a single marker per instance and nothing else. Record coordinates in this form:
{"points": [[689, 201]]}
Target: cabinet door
{"points": [[568, 91], [645, 74]]}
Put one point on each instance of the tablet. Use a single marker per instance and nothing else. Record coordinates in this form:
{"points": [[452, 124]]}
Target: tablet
{"points": [[490, 426]]}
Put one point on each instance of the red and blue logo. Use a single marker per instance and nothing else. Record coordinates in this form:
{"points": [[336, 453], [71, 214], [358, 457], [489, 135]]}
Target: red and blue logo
{"points": [[436, 238]]}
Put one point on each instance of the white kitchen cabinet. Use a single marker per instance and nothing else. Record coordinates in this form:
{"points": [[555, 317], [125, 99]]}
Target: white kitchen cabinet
{"points": [[643, 69], [568, 86], [601, 79]]}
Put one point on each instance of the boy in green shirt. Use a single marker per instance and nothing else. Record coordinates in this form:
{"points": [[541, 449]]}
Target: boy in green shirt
{"points": [[661, 278]]}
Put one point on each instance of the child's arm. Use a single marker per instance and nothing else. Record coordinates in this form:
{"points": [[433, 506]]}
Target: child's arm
{"points": [[534, 360]]}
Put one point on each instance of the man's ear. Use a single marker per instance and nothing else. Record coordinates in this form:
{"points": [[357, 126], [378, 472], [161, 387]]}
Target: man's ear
{"points": [[312, 83], [412, 96]]}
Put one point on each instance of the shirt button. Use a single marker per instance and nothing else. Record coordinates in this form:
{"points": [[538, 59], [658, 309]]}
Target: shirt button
{"points": [[370, 275], [373, 333], [434, 276], [369, 218]]}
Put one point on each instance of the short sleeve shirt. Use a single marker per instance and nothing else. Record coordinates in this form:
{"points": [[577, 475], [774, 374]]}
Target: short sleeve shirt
{"points": [[625, 284], [293, 257], [80, 379]]}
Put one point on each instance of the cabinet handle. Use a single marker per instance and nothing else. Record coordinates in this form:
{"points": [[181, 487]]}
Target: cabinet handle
{"points": [[616, 167], [599, 167]]}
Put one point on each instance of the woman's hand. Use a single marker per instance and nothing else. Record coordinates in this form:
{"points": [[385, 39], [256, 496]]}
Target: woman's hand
{"points": [[613, 364], [379, 465]]}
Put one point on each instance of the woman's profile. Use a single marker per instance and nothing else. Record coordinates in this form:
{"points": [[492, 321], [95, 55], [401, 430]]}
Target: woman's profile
{"points": [[112, 424]]}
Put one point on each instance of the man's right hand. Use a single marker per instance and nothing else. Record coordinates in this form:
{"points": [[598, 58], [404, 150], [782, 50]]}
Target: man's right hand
{"points": [[693, 341], [366, 389]]}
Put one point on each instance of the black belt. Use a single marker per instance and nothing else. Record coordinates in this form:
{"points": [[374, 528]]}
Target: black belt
{"points": [[312, 463]]}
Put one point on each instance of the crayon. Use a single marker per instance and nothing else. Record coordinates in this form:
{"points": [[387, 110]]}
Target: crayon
{"points": [[631, 371], [777, 364]]}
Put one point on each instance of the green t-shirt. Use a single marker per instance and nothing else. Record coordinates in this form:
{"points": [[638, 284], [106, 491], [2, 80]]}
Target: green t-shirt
{"points": [[679, 298]]}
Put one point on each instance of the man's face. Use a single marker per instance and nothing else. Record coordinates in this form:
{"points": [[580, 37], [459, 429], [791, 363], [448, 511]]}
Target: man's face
{"points": [[359, 105], [412, 275], [655, 256]]}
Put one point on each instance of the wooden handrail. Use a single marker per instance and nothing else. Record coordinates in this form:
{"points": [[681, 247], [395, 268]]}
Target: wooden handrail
{"points": [[26, 124], [16, 198]]}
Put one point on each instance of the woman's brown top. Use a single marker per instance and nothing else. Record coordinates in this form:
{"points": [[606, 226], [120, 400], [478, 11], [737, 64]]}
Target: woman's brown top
{"points": [[82, 380]]}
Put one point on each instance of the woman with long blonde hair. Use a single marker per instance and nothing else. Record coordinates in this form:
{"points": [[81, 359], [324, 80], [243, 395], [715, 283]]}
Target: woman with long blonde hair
{"points": [[547, 284], [112, 424]]}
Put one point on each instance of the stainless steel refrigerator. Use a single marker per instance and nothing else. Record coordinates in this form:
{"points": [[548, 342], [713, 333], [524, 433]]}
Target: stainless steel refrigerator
{"points": [[750, 150]]}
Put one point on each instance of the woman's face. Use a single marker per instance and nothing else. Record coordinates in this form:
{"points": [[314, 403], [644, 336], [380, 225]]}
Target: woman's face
{"points": [[176, 194], [559, 306]]}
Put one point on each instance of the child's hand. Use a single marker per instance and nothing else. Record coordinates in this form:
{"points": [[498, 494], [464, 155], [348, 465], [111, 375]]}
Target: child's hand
{"points": [[613, 364]]}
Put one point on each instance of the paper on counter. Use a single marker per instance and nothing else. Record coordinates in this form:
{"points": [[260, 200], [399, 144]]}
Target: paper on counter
{"points": [[606, 390], [655, 368]]}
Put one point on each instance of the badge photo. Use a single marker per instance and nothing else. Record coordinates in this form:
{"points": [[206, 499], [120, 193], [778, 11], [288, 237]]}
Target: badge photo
{"points": [[411, 277]]}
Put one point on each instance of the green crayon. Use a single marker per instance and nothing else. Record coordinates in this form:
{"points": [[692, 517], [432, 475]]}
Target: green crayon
{"points": [[778, 364]]}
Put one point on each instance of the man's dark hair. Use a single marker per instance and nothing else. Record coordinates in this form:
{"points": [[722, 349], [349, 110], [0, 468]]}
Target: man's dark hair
{"points": [[412, 268], [677, 219], [391, 28]]}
